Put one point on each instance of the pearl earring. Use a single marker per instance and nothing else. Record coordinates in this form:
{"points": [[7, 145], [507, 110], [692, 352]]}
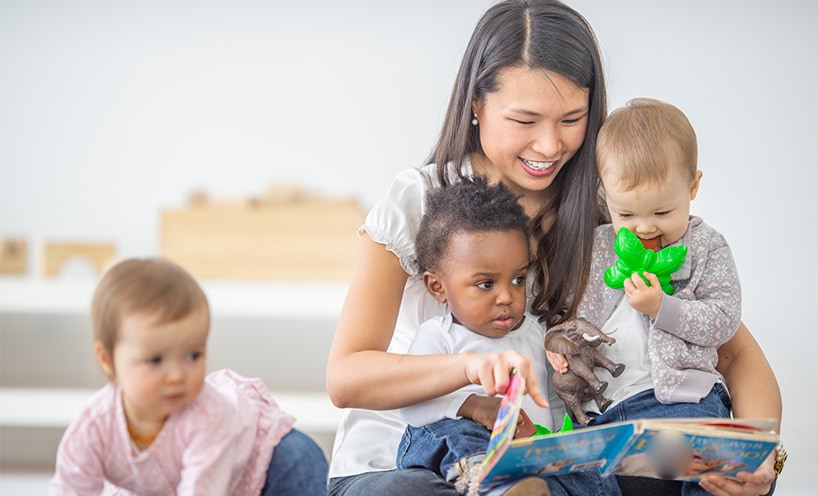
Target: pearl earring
{"points": [[474, 121]]}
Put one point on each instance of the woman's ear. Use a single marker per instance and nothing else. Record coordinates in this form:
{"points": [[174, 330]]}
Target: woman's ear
{"points": [[434, 286], [104, 359]]}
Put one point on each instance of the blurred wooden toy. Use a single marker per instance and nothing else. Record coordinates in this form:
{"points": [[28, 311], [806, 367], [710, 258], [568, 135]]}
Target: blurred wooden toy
{"points": [[13, 256], [288, 235], [57, 254]]}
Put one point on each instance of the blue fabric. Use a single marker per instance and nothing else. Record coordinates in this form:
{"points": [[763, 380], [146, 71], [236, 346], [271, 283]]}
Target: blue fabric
{"points": [[415, 481], [407, 482], [439, 445], [298, 468], [645, 405]]}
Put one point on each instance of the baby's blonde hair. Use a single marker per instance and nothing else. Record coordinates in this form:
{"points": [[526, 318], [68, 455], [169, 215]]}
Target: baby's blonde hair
{"points": [[150, 286], [648, 139]]}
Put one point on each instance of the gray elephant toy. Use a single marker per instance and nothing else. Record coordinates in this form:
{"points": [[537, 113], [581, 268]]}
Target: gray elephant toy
{"points": [[578, 339]]}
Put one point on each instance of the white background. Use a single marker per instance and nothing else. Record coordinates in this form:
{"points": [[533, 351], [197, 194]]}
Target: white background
{"points": [[111, 111]]}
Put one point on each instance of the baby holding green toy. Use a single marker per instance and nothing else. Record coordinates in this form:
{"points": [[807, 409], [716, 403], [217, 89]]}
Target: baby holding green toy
{"points": [[668, 339]]}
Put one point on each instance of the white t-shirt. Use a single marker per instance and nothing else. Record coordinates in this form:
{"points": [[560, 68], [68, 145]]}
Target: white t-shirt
{"points": [[440, 335], [367, 440], [631, 348]]}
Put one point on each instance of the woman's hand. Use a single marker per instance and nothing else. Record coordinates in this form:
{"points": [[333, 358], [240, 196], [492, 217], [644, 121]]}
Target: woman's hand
{"points": [[749, 484], [557, 361], [493, 370]]}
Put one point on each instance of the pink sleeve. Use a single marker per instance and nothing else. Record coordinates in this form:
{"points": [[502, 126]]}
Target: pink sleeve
{"points": [[79, 459]]}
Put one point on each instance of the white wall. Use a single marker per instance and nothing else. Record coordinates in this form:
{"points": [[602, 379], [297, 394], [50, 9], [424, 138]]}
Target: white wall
{"points": [[110, 111]]}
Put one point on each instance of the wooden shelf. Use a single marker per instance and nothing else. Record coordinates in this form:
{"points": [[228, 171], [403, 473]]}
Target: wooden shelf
{"points": [[227, 299]]}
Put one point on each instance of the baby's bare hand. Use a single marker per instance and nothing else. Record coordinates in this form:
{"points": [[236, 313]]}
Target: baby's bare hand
{"points": [[644, 298], [493, 370], [481, 409]]}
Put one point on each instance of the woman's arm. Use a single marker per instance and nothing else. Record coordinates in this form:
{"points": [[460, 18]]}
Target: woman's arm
{"points": [[753, 388], [361, 374], [754, 394]]}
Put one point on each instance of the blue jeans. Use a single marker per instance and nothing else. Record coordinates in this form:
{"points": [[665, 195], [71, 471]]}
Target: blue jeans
{"points": [[298, 468], [439, 445], [645, 405], [418, 481]]}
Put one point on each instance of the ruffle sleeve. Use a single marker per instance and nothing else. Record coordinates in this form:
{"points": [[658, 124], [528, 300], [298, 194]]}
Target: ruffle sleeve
{"points": [[394, 219]]}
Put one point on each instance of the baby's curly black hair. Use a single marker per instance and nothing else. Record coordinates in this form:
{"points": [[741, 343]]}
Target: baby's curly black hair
{"points": [[471, 205]]}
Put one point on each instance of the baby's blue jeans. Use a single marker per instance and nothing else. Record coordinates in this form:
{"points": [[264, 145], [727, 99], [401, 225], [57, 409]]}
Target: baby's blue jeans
{"points": [[298, 468]]}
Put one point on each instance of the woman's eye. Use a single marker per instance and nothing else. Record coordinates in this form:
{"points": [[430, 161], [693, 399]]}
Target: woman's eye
{"points": [[519, 281], [524, 123], [574, 120], [485, 285]]}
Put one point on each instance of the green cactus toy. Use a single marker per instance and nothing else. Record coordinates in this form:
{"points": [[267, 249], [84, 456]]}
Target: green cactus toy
{"points": [[633, 257]]}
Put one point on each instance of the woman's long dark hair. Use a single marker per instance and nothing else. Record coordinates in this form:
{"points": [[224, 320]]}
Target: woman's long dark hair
{"points": [[540, 34]]}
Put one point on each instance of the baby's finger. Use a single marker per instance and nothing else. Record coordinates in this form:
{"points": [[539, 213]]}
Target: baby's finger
{"points": [[638, 282], [652, 279], [628, 286], [485, 377], [533, 389], [502, 371]]}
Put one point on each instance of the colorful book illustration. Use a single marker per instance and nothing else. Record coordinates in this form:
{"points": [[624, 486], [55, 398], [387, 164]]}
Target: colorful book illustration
{"points": [[680, 449]]}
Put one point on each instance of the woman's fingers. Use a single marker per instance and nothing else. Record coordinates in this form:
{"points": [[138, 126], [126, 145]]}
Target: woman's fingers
{"points": [[721, 486], [557, 361]]}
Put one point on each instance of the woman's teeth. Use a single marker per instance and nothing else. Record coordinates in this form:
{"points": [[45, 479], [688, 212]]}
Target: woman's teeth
{"points": [[539, 166]]}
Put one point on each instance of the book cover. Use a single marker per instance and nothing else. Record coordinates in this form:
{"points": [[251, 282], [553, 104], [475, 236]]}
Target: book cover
{"points": [[681, 449]]}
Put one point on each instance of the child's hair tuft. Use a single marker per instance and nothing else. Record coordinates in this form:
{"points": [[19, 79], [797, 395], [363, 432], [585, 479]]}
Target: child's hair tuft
{"points": [[470, 205]]}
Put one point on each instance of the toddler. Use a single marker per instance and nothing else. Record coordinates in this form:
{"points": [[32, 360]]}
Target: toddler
{"points": [[161, 426], [646, 154], [473, 252]]}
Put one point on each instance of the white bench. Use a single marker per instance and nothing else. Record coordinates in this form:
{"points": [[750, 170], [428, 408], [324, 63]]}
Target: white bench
{"points": [[55, 408]]}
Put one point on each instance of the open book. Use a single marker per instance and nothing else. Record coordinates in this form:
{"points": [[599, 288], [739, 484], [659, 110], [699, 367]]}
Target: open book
{"points": [[681, 449]]}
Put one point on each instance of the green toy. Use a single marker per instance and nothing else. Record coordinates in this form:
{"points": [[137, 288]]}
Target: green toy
{"points": [[567, 426], [633, 257]]}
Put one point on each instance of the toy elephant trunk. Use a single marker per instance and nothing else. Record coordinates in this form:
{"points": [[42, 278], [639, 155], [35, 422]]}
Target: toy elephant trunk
{"points": [[578, 339]]}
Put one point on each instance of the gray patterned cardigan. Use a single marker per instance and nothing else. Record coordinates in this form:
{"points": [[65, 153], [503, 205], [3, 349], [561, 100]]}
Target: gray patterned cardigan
{"points": [[703, 313]]}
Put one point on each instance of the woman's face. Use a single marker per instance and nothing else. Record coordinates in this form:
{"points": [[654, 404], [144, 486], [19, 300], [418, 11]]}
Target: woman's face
{"points": [[530, 127]]}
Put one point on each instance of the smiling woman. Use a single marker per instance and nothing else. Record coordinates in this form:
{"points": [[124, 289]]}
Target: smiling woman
{"points": [[526, 107]]}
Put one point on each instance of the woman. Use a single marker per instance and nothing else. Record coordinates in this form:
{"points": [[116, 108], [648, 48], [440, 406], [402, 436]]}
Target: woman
{"points": [[525, 110]]}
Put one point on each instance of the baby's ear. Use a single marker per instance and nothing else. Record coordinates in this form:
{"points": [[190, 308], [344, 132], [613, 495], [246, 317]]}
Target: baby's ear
{"points": [[434, 286], [104, 359], [694, 186]]}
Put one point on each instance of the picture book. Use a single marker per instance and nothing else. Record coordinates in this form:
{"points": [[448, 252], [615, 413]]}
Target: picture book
{"points": [[680, 449]]}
